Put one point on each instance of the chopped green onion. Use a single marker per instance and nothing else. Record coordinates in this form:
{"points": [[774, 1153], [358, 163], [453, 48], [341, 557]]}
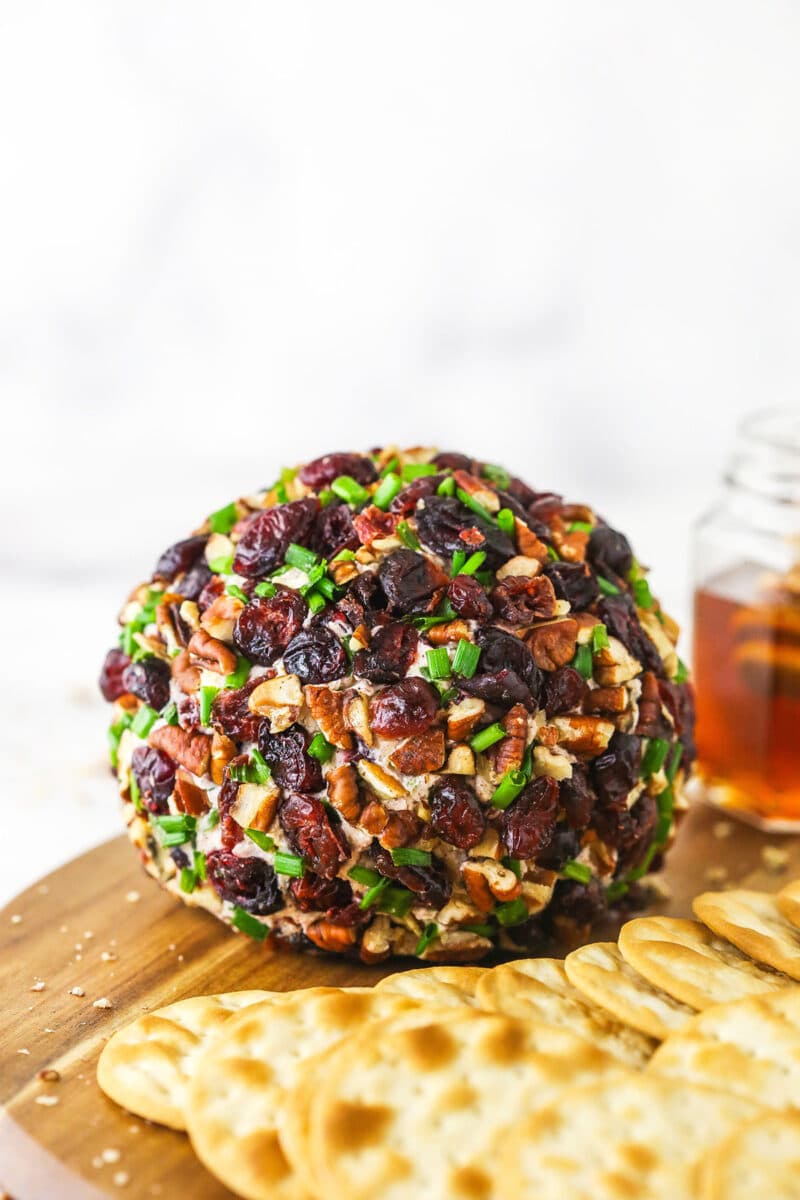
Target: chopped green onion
{"points": [[298, 556], [260, 767], [414, 470], [234, 590], [642, 594], [364, 875], [599, 638], [616, 890], [486, 931], [326, 497], [127, 639], [447, 695], [239, 772], [527, 762], [222, 566], [265, 588], [262, 840], [170, 713], [238, 678], [430, 934], [316, 602], [188, 880], [465, 661], [509, 788], [446, 613], [447, 487], [674, 762], [175, 830], [580, 527], [473, 562], [327, 587], [396, 901], [513, 864], [141, 652], [212, 820], [390, 467], [552, 553], [682, 673], [575, 870], [344, 556], [144, 721], [654, 756], [475, 505], [499, 476], [136, 795], [289, 864], [320, 748], [506, 520], [245, 922], [386, 491], [281, 493], [369, 898], [511, 912], [606, 586], [582, 662], [114, 737], [487, 737], [207, 695], [408, 856], [224, 519], [349, 490], [199, 864], [438, 661], [407, 535], [459, 558]]}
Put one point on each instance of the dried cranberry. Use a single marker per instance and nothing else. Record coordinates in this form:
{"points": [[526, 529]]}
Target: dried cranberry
{"points": [[456, 814], [469, 599], [316, 656], [231, 714], [544, 506], [312, 893], [429, 884], [188, 711], [149, 680], [410, 582], [293, 768], [406, 501], [321, 472], [503, 688], [404, 708], [574, 908], [629, 831], [679, 699], [266, 626], [652, 721], [577, 798], [314, 833], [154, 772], [529, 823], [442, 520], [211, 592], [391, 652], [509, 500], [373, 524], [500, 649], [350, 915], [112, 671], [267, 535], [521, 599], [249, 883], [334, 531], [196, 580], [564, 845], [180, 557], [231, 832], [609, 552], [615, 772], [519, 489], [362, 599], [452, 461], [179, 857], [564, 691], [573, 581], [621, 620]]}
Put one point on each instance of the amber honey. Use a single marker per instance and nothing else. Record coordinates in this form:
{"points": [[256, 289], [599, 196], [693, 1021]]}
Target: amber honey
{"points": [[747, 677]]}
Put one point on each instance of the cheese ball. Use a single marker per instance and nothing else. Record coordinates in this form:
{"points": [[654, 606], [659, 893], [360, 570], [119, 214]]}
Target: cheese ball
{"points": [[400, 704]]}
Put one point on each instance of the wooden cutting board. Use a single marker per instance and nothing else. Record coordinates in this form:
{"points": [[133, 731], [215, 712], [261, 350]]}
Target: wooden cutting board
{"points": [[100, 925]]}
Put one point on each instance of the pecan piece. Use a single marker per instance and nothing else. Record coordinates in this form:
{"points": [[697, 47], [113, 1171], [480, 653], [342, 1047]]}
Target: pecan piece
{"points": [[423, 752], [606, 700], [651, 721], [488, 882], [212, 654], [553, 644], [373, 818], [356, 717], [219, 618], [189, 797], [520, 564], [328, 936], [529, 544], [185, 675], [584, 736], [461, 760], [282, 691], [511, 751], [343, 792], [379, 781], [463, 717], [222, 751], [327, 709], [452, 631], [478, 490], [188, 747], [255, 805]]}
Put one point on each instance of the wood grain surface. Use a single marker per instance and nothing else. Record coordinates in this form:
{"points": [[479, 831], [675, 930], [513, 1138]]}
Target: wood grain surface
{"points": [[100, 925]]}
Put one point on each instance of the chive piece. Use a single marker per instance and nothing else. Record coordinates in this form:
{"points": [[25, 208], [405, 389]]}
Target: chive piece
{"points": [[238, 678], [320, 748], [369, 898], [413, 471], [486, 931], [616, 890], [126, 639], [316, 602], [233, 589], [212, 820], [552, 553], [265, 588], [575, 870], [327, 587], [349, 490], [473, 562], [176, 823], [674, 762], [446, 613], [407, 535], [144, 721], [654, 756], [459, 558], [281, 494], [289, 864], [262, 840], [506, 521], [509, 788], [447, 487], [222, 566], [487, 737], [515, 865], [386, 491], [391, 467], [582, 662], [527, 762], [245, 922], [188, 880], [170, 713], [438, 661], [396, 901], [511, 912], [465, 660], [475, 506], [430, 934], [260, 768], [580, 527], [136, 795], [408, 856], [207, 695], [224, 519], [499, 476], [344, 556], [326, 497], [114, 737], [606, 586], [364, 875], [298, 556], [682, 673], [642, 594], [599, 638]]}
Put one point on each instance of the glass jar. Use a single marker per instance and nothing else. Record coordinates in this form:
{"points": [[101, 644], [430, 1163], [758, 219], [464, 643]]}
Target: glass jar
{"points": [[747, 627]]}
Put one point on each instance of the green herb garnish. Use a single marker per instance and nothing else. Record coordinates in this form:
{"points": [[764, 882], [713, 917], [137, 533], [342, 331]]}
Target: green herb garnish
{"points": [[487, 737], [509, 788]]}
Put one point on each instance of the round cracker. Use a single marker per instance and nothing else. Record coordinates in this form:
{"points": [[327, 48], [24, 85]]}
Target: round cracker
{"points": [[687, 961], [750, 1048], [412, 1112], [601, 973], [641, 1136], [760, 1158], [537, 989], [146, 1066], [754, 923], [437, 985], [788, 901]]}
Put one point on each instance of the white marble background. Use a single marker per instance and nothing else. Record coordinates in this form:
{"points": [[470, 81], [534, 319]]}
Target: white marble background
{"points": [[563, 235]]}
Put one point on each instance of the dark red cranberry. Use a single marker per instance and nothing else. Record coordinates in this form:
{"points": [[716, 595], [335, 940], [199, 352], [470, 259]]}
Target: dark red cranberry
{"points": [[316, 656], [621, 620], [411, 582], [564, 845], [573, 581], [469, 599], [406, 501], [451, 460], [249, 883], [334, 531], [267, 535], [231, 832], [501, 649], [652, 721], [154, 772], [322, 471], [149, 680], [521, 600], [314, 833], [211, 591], [350, 915], [430, 885], [391, 652], [456, 814], [530, 822], [577, 798], [230, 712], [111, 673], [629, 831], [195, 581], [564, 691], [502, 688], [312, 893], [180, 557], [267, 624], [609, 552], [362, 600], [615, 772], [679, 699], [441, 522], [523, 494], [544, 506], [292, 767], [574, 908], [404, 708], [179, 857], [188, 711]]}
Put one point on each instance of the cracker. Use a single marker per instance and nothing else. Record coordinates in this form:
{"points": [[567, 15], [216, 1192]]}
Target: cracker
{"points": [[237, 1093], [412, 1112], [437, 985], [760, 1158], [750, 1048], [639, 1136], [601, 973], [146, 1066], [537, 989], [687, 961], [755, 924], [788, 902]]}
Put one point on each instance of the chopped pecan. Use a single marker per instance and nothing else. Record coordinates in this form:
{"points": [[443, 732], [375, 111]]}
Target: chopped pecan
{"points": [[606, 700], [451, 631], [401, 829], [335, 938], [547, 735], [255, 805], [614, 664], [222, 751], [520, 565], [529, 544], [461, 760], [373, 818], [173, 630], [551, 763], [570, 546], [189, 797], [279, 692], [356, 717], [488, 882], [463, 717], [553, 644], [343, 792], [212, 654], [478, 490], [219, 618], [327, 709], [189, 613], [382, 938], [343, 572], [511, 751], [373, 525], [380, 781], [423, 752], [188, 747], [584, 736], [651, 721]]}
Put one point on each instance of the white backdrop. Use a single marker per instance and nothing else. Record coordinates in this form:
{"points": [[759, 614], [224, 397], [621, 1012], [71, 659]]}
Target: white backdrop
{"points": [[564, 236]]}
